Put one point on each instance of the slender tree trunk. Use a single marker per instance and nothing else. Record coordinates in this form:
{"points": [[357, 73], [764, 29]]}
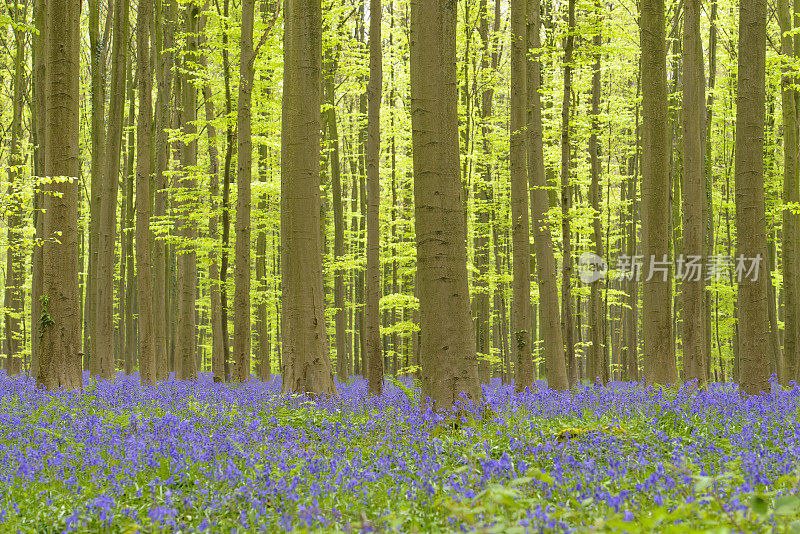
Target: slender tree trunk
{"points": [[144, 128], [15, 277], [305, 357], [555, 364], [598, 353], [791, 194], [38, 116], [694, 198], [567, 323], [241, 297], [659, 344], [98, 46], [185, 340], [631, 321], [343, 367], [217, 341], [59, 324], [712, 76], [481, 187], [104, 307], [750, 208], [226, 195], [165, 15], [520, 228], [372, 348], [447, 350], [127, 279]]}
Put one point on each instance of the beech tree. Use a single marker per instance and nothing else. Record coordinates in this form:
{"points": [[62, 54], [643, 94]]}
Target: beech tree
{"points": [[144, 130], [372, 339], [59, 323], [521, 304], [305, 358], [694, 197], [659, 348], [241, 298], [447, 344], [750, 208]]}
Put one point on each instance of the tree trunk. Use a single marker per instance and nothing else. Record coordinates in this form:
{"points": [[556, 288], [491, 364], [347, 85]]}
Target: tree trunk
{"points": [[567, 323], [15, 275], [447, 346], [144, 128], [241, 275], [226, 195], [164, 42], [372, 347], [104, 307], [753, 317], [659, 344], [59, 324], [98, 46], [791, 194], [38, 120], [217, 341], [127, 280], [520, 229], [305, 358], [481, 187], [710, 239], [598, 353], [694, 198], [185, 340], [555, 364]]}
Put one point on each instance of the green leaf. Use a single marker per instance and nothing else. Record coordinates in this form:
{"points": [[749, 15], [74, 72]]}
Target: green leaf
{"points": [[786, 505], [758, 505]]}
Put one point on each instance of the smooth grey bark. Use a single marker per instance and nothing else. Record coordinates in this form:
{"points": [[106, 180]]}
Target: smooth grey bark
{"points": [[305, 358], [447, 343]]}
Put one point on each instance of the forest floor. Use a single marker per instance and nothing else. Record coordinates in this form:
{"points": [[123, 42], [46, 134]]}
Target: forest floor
{"points": [[198, 456]]}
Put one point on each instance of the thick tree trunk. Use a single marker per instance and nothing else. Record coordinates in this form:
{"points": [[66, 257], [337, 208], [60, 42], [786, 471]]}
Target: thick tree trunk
{"points": [[59, 324], [520, 227], [241, 297], [144, 127], [555, 364], [447, 346], [754, 366], [659, 344], [694, 198], [305, 358], [372, 347]]}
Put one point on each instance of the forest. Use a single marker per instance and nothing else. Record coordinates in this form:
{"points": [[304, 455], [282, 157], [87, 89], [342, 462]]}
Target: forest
{"points": [[400, 265]]}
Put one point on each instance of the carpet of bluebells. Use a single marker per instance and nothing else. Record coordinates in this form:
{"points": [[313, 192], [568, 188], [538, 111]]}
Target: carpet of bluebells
{"points": [[205, 457]]}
